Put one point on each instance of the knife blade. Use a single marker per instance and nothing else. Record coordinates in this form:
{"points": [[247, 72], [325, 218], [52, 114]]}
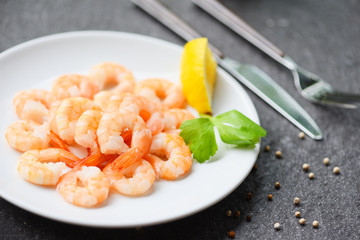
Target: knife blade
{"points": [[252, 77]]}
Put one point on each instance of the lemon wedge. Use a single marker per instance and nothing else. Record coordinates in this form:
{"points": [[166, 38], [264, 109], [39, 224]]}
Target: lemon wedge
{"points": [[198, 74]]}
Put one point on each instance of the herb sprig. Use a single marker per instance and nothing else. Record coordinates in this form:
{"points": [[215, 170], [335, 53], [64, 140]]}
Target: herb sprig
{"points": [[234, 128]]}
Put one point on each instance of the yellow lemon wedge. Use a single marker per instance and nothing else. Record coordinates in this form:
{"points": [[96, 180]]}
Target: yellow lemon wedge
{"points": [[198, 74]]}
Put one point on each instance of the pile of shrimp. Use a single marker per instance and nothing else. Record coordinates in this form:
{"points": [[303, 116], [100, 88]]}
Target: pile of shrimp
{"points": [[129, 129]]}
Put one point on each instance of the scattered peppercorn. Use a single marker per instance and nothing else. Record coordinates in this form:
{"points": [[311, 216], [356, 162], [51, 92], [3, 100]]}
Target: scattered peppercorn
{"points": [[297, 214], [231, 234], [315, 224], [267, 148], [336, 170], [302, 221], [305, 166], [237, 213], [277, 185], [249, 196], [277, 226], [255, 167], [311, 175], [297, 201], [270, 197], [278, 154], [228, 213], [326, 161], [301, 135], [248, 218]]}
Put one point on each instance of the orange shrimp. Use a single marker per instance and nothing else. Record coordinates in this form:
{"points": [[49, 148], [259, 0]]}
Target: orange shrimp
{"points": [[85, 186], [129, 174], [168, 120], [136, 104], [171, 147], [68, 114], [102, 99], [44, 166], [112, 73], [27, 135], [112, 127], [135, 179], [73, 85], [86, 127], [33, 104], [168, 93]]}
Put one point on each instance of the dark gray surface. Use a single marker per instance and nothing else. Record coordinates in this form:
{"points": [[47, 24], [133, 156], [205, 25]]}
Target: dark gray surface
{"points": [[322, 36]]}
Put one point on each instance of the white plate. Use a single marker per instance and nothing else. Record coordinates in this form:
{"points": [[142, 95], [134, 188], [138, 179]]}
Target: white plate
{"points": [[37, 62]]}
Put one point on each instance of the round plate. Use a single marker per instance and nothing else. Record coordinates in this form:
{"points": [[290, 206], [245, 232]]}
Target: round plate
{"points": [[36, 63]]}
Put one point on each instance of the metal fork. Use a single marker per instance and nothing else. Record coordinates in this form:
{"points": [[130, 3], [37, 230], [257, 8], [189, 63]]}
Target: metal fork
{"points": [[311, 86]]}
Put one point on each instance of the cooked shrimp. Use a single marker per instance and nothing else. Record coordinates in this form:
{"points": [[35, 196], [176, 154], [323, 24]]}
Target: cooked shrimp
{"points": [[112, 73], [136, 104], [27, 135], [133, 180], [68, 114], [33, 104], [102, 99], [112, 127], [128, 173], [168, 120], [172, 148], [115, 102], [74, 85], [169, 93], [45, 166], [175, 117], [85, 187], [86, 127], [52, 116]]}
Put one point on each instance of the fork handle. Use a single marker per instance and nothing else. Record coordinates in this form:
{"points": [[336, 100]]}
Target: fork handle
{"points": [[173, 22], [238, 25]]}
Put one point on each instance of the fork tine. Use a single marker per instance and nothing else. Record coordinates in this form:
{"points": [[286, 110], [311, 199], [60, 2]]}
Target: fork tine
{"points": [[344, 96], [335, 100], [339, 104]]}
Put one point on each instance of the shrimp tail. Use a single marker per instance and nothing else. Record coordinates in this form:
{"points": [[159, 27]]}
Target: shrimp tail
{"points": [[94, 159], [65, 156], [57, 142], [126, 159]]}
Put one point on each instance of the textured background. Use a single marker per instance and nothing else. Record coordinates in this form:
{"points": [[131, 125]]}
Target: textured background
{"points": [[322, 36]]}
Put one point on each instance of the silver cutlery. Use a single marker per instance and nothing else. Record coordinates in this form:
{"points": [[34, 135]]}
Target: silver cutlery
{"points": [[252, 77], [311, 86]]}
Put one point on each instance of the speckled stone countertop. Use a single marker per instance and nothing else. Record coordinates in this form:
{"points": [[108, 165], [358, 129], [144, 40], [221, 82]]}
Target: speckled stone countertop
{"points": [[322, 36]]}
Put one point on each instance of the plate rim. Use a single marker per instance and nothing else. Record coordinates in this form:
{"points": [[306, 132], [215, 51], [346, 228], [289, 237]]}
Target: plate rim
{"points": [[64, 35]]}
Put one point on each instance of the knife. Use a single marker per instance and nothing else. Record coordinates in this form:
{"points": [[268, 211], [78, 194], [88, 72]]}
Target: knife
{"points": [[252, 77]]}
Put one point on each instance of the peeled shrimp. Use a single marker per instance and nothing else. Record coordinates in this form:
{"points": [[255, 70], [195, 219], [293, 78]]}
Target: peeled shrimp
{"points": [[173, 148], [86, 127], [102, 99], [168, 120], [115, 102], [115, 124], [74, 85], [45, 166], [33, 104], [27, 135], [85, 187], [129, 173], [112, 73], [133, 180], [136, 104], [68, 114], [156, 90], [52, 116]]}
